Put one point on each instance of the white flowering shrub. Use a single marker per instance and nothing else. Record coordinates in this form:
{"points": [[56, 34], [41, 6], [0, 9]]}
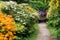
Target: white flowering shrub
{"points": [[23, 18]]}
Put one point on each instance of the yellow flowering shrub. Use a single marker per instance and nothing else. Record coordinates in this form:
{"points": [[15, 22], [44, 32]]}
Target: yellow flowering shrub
{"points": [[53, 22], [54, 4], [7, 27], [30, 9]]}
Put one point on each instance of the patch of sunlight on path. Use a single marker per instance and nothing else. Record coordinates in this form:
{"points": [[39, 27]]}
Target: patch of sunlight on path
{"points": [[43, 33]]}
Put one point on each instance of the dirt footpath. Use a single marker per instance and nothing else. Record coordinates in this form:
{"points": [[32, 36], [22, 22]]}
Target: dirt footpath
{"points": [[44, 33]]}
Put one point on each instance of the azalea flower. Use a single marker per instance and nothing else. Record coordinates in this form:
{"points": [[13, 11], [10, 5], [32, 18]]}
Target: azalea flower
{"points": [[7, 26]]}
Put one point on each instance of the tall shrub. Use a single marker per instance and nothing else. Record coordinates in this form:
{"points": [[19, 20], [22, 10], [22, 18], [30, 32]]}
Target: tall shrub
{"points": [[54, 15], [23, 17]]}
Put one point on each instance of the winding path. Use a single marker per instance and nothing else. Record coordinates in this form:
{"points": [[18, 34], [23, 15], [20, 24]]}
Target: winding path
{"points": [[44, 33]]}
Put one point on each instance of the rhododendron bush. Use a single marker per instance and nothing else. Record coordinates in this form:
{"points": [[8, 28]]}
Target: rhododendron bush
{"points": [[17, 20]]}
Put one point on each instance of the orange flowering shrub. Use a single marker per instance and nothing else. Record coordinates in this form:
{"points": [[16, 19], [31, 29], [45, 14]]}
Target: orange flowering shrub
{"points": [[7, 27]]}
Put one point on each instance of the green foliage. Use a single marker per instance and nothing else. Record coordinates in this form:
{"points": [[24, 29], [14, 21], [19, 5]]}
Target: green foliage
{"points": [[39, 4], [58, 35], [53, 31], [32, 35]]}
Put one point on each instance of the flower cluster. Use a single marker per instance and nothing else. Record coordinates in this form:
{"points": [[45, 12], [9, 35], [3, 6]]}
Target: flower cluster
{"points": [[7, 27]]}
